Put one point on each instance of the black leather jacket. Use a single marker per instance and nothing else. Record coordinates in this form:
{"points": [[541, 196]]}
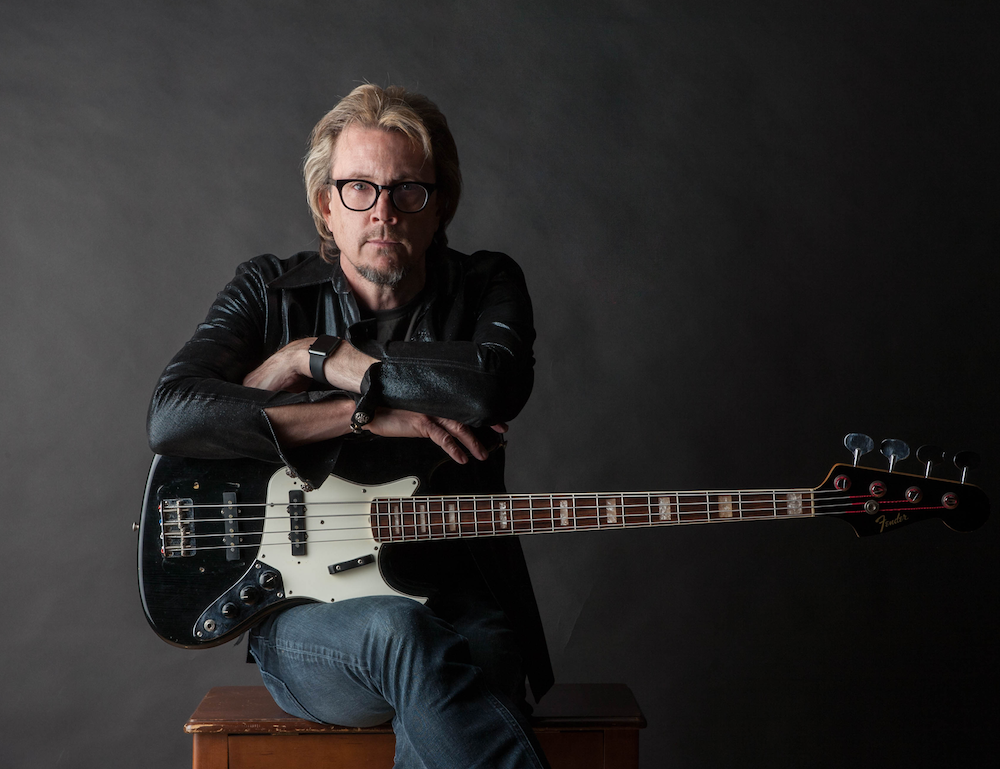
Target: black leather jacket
{"points": [[468, 357]]}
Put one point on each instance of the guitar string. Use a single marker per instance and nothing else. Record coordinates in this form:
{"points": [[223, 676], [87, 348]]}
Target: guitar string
{"points": [[522, 515], [410, 529], [584, 513], [522, 502]]}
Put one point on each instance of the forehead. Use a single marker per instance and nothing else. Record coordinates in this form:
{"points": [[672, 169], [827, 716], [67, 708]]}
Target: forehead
{"points": [[379, 156]]}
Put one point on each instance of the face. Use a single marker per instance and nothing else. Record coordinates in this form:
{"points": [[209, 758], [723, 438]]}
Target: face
{"points": [[381, 245]]}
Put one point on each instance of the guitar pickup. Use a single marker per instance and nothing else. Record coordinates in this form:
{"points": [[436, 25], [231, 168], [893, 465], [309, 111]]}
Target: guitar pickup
{"points": [[297, 516], [231, 524], [354, 563]]}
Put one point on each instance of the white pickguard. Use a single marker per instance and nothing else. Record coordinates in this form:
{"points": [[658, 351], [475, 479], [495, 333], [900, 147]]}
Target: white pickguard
{"points": [[339, 529]]}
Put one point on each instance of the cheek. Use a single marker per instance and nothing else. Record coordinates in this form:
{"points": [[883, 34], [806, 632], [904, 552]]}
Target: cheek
{"points": [[335, 224]]}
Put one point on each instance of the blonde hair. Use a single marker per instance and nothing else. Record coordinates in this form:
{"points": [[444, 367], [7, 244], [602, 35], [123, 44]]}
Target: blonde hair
{"points": [[390, 109]]}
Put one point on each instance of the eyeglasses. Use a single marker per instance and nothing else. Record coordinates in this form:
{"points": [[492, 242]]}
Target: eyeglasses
{"points": [[407, 197]]}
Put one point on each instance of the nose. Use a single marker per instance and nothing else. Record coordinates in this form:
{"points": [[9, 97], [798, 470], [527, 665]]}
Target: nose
{"points": [[383, 210]]}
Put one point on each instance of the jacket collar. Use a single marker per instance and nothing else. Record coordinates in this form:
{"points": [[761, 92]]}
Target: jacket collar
{"points": [[314, 271], [311, 271]]}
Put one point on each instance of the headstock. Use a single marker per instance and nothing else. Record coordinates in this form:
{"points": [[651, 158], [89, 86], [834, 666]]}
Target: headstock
{"points": [[875, 501]]}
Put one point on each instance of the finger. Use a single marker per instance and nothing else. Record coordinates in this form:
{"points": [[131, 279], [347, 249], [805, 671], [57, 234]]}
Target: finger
{"points": [[500, 427], [448, 442], [465, 435]]}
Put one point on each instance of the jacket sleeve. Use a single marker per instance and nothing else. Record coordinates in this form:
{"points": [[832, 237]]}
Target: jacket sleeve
{"points": [[199, 408], [482, 371]]}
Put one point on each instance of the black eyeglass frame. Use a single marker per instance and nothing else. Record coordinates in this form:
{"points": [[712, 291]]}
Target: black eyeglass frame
{"points": [[428, 187]]}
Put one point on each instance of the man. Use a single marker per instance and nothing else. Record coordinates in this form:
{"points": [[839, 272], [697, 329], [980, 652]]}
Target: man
{"points": [[330, 362]]}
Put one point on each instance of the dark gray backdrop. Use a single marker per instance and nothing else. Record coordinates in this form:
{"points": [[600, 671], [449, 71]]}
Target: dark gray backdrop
{"points": [[748, 228]]}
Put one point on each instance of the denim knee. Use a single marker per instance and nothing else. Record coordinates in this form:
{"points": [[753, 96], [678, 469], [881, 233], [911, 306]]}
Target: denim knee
{"points": [[400, 630]]}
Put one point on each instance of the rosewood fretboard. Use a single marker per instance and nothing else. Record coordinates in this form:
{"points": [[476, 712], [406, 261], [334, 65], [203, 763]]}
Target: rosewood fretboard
{"points": [[411, 519]]}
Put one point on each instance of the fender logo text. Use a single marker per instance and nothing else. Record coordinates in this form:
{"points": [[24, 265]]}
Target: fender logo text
{"points": [[885, 523]]}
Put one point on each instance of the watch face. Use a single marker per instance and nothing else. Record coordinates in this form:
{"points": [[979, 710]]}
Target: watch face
{"points": [[324, 345]]}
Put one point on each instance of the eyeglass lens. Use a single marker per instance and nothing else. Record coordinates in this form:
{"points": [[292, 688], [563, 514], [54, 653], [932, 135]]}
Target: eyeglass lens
{"points": [[407, 197]]}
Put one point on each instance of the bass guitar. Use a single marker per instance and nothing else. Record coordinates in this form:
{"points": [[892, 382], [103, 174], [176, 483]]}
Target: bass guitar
{"points": [[224, 542]]}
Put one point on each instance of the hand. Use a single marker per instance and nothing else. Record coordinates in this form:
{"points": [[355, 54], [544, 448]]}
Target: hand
{"points": [[281, 371], [446, 433]]}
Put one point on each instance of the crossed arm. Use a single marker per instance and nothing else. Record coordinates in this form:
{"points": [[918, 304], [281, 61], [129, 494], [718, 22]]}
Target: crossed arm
{"points": [[303, 423], [239, 388]]}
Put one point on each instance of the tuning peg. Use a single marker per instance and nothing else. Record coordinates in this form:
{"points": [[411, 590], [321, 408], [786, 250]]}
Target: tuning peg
{"points": [[894, 450], [858, 444], [930, 455], [965, 461]]}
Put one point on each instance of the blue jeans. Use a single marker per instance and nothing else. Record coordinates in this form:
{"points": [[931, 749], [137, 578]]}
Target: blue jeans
{"points": [[446, 673]]}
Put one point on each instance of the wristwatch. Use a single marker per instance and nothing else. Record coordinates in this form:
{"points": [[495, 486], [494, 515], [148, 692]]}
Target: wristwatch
{"points": [[319, 351]]}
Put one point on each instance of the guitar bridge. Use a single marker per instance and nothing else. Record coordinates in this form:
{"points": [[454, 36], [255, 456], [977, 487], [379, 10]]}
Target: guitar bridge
{"points": [[177, 528]]}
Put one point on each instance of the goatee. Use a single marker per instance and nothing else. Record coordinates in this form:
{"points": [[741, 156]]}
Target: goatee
{"points": [[390, 278]]}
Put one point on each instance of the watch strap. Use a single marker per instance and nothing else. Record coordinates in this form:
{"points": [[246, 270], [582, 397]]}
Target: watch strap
{"points": [[319, 351]]}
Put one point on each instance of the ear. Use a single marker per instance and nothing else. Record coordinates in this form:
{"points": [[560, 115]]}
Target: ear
{"points": [[323, 198]]}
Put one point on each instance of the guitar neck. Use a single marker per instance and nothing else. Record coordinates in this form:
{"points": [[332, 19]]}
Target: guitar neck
{"points": [[412, 519]]}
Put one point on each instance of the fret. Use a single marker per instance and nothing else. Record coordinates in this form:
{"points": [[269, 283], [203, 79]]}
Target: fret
{"points": [[723, 507], [468, 514], [478, 519], [499, 511], [433, 517], [584, 512], [408, 520], [560, 517], [376, 520], [610, 510], [757, 505], [490, 524], [635, 511], [666, 509], [440, 524], [396, 520], [422, 528], [550, 518], [690, 508], [541, 521], [790, 503], [481, 515], [523, 523]]}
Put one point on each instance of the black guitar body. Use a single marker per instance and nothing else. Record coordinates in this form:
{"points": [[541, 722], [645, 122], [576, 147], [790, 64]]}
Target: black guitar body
{"points": [[175, 590], [216, 554]]}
